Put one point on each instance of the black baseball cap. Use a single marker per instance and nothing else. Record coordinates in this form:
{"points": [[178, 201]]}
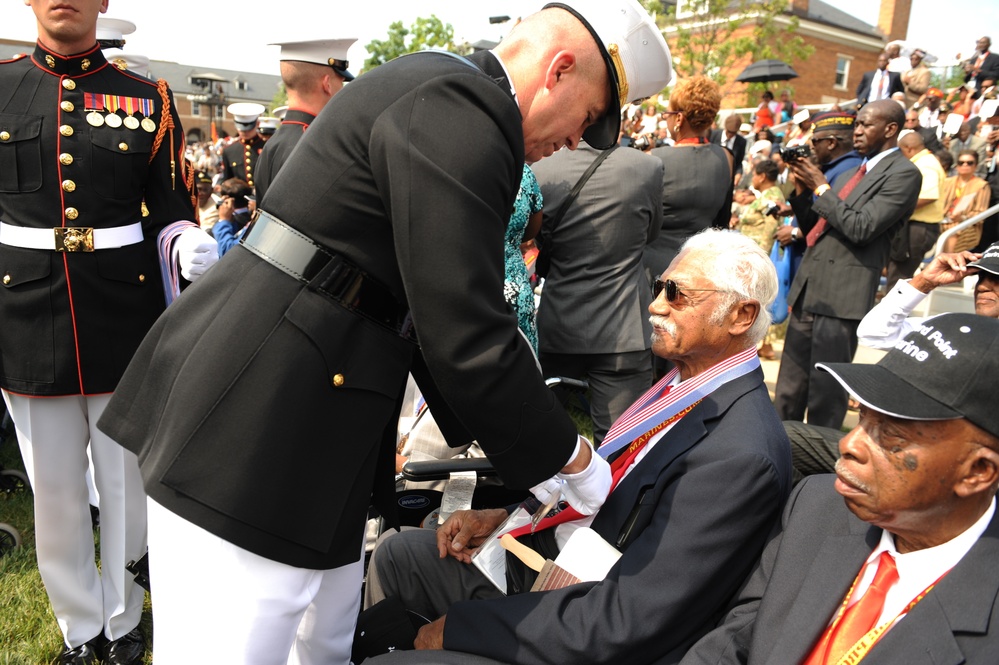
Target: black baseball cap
{"points": [[989, 261], [944, 370]]}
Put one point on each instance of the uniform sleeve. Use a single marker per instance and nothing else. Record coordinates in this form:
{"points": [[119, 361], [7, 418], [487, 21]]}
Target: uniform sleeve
{"points": [[446, 160]]}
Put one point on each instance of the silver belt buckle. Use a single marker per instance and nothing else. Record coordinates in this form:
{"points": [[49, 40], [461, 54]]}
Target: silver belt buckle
{"points": [[74, 239]]}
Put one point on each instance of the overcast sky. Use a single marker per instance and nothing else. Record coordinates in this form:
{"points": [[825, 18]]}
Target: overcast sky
{"points": [[232, 35]]}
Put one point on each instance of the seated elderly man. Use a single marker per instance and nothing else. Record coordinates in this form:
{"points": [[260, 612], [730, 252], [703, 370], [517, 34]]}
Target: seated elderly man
{"points": [[893, 559], [815, 449], [703, 469]]}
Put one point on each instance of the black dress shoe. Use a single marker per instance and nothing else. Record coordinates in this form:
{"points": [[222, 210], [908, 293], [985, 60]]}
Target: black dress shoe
{"points": [[88, 653], [126, 650]]}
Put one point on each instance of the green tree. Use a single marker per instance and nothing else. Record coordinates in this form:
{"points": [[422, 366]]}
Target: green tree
{"points": [[425, 33], [705, 41]]}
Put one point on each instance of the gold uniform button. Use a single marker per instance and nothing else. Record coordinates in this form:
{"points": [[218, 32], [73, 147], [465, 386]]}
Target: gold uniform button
{"points": [[72, 213], [67, 107], [4, 136], [66, 130], [337, 380], [69, 84], [123, 146], [68, 186], [142, 278], [65, 159], [6, 279]]}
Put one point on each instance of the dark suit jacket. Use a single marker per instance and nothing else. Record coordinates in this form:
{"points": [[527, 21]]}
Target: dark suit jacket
{"points": [[255, 380], [596, 295], [278, 148], [70, 322], [738, 149], [839, 275], [988, 72], [690, 519], [806, 571], [864, 87]]}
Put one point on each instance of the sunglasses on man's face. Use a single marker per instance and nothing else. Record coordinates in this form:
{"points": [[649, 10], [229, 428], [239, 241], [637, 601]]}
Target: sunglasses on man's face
{"points": [[965, 163], [672, 289]]}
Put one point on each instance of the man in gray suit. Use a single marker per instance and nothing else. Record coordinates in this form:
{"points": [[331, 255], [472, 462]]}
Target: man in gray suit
{"points": [[848, 228], [916, 481], [592, 321]]}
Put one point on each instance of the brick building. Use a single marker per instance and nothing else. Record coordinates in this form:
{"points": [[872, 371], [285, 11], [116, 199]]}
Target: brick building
{"points": [[845, 48], [199, 94]]}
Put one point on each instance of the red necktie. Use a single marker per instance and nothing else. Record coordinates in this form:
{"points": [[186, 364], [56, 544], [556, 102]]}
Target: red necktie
{"points": [[820, 226], [884, 85], [858, 619]]}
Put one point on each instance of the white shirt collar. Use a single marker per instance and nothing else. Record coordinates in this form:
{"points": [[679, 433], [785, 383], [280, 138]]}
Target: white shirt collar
{"points": [[873, 161]]}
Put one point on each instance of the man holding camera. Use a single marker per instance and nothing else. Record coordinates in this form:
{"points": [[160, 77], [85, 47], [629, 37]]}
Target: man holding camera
{"points": [[847, 229]]}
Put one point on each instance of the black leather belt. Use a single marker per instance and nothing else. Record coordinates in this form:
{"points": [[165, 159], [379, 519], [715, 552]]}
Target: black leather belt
{"points": [[299, 256]]}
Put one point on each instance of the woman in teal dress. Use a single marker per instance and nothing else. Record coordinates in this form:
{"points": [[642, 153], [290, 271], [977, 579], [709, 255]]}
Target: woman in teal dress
{"points": [[523, 226]]}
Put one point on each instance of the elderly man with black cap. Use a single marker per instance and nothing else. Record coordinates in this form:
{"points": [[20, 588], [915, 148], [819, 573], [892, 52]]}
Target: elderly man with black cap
{"points": [[312, 72], [263, 406], [239, 158], [893, 559]]}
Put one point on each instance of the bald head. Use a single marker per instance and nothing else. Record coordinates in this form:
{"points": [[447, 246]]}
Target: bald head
{"points": [[562, 83], [911, 143]]}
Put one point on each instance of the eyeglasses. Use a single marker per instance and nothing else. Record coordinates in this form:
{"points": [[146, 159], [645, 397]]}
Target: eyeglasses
{"points": [[965, 162], [673, 291]]}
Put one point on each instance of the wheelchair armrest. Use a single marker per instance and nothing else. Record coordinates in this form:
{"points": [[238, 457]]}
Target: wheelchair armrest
{"points": [[441, 469]]}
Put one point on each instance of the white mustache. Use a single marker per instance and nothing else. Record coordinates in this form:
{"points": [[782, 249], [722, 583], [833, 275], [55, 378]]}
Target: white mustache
{"points": [[664, 323], [849, 477]]}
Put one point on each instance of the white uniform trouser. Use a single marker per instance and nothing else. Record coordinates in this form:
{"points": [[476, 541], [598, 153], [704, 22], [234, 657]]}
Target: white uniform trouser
{"points": [[53, 433], [214, 602]]}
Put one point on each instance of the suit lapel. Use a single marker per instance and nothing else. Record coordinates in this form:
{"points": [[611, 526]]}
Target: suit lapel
{"points": [[871, 180], [962, 603], [828, 579], [684, 436]]}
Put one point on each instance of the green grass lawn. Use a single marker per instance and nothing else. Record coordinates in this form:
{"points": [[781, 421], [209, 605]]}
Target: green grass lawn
{"points": [[28, 631]]}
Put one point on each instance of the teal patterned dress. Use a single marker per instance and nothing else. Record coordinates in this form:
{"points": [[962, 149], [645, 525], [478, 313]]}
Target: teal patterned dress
{"points": [[516, 286]]}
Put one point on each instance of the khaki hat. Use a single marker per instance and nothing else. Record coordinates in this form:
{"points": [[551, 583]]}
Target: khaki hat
{"points": [[637, 57]]}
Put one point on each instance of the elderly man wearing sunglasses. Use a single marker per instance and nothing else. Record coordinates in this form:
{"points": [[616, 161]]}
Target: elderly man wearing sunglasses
{"points": [[701, 468]]}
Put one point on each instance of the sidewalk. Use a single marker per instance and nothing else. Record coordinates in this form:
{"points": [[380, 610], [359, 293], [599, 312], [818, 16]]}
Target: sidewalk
{"points": [[770, 368]]}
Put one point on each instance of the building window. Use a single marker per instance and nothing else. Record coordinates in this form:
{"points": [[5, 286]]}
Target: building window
{"points": [[195, 108], [241, 85], [688, 8], [842, 72]]}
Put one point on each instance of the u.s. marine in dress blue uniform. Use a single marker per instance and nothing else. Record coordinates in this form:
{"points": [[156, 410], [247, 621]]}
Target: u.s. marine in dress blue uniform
{"points": [[76, 140]]}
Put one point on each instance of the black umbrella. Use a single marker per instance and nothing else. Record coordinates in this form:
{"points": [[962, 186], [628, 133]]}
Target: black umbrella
{"points": [[767, 70]]}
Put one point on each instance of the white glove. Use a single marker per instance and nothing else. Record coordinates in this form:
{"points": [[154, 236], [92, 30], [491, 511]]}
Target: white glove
{"points": [[585, 491], [196, 252]]}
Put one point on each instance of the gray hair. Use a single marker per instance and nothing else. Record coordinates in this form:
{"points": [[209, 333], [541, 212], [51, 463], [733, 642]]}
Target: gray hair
{"points": [[739, 267]]}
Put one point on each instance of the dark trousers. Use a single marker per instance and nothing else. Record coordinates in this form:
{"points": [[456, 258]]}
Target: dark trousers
{"points": [[616, 381], [922, 237], [814, 338], [813, 449]]}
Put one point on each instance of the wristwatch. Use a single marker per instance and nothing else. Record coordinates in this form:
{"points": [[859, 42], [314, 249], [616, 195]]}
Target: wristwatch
{"points": [[822, 189], [794, 233]]}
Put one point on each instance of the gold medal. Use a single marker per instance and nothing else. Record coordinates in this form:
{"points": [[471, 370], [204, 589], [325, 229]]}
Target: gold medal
{"points": [[113, 120], [131, 122], [95, 118], [149, 125]]}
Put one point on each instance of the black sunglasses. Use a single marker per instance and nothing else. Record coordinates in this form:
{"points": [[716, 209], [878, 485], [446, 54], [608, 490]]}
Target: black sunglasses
{"points": [[964, 162], [672, 289]]}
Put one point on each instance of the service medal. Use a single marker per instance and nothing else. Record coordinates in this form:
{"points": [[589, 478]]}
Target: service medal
{"points": [[131, 122], [113, 120], [149, 125], [95, 119]]}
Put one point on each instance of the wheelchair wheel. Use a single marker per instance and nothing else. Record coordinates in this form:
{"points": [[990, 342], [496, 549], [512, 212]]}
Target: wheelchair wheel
{"points": [[12, 481], [10, 539]]}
